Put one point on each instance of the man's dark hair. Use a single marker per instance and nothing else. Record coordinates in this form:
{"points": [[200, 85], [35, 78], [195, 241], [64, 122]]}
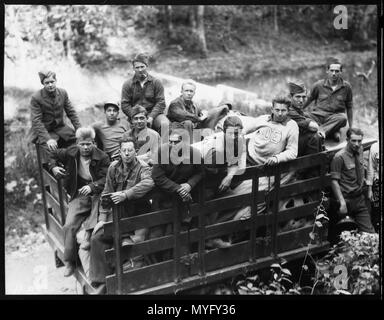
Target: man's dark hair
{"points": [[233, 121], [333, 61], [111, 104], [356, 131], [281, 100], [138, 109], [127, 139]]}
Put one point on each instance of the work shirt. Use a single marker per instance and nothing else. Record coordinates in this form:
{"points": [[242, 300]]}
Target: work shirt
{"points": [[343, 169], [168, 176], [135, 183], [301, 118], [329, 100], [47, 112], [373, 164], [181, 110], [150, 96], [110, 135], [147, 141]]}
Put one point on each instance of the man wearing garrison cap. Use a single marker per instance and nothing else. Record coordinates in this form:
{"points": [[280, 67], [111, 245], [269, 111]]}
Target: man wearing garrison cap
{"points": [[47, 111], [309, 136], [145, 90], [332, 99]]}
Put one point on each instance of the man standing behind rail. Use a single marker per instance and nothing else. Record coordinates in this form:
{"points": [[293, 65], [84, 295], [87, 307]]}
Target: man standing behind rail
{"points": [[333, 97], [110, 132], [145, 90], [47, 107], [85, 168], [347, 173], [127, 179]]}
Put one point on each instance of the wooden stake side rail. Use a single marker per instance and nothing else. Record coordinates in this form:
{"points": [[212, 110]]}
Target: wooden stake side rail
{"points": [[171, 276]]}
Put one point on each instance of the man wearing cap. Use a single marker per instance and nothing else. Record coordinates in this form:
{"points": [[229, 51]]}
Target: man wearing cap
{"points": [[332, 97], [309, 135], [146, 139], [109, 133], [347, 173], [145, 90], [47, 106], [184, 113]]}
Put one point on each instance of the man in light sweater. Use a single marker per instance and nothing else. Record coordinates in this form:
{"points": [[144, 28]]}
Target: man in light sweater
{"points": [[275, 140]]}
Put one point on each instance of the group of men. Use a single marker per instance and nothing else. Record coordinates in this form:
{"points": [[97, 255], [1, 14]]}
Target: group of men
{"points": [[120, 160]]}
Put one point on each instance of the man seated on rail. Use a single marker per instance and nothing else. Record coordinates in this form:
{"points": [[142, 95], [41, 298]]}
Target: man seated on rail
{"points": [[333, 98], [84, 171], [109, 132], [183, 112], [47, 111], [177, 173], [347, 173], [275, 140], [224, 156], [128, 180], [146, 90], [373, 183], [310, 137], [146, 140]]}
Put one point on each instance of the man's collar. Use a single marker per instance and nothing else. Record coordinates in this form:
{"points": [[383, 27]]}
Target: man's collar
{"points": [[47, 94], [339, 83], [270, 118], [149, 78], [351, 152]]}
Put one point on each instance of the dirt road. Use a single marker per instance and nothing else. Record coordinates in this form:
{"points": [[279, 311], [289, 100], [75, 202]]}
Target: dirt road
{"points": [[34, 272]]}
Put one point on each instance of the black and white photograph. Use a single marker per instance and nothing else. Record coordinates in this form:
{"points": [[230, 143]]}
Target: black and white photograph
{"points": [[192, 150]]}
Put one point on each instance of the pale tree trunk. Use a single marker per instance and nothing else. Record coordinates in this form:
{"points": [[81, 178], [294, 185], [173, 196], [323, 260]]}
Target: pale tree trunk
{"points": [[275, 21], [200, 31], [168, 21], [13, 29]]}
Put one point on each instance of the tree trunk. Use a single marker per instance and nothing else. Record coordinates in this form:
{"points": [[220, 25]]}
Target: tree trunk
{"points": [[275, 22], [168, 21], [200, 31]]}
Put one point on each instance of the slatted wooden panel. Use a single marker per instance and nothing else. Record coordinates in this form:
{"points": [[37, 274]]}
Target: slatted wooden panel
{"points": [[54, 189]]}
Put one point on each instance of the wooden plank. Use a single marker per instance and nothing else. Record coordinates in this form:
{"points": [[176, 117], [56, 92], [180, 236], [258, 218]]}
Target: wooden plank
{"points": [[56, 229], [51, 183], [54, 206], [158, 278], [42, 184], [305, 210], [166, 242], [229, 272], [294, 239]]}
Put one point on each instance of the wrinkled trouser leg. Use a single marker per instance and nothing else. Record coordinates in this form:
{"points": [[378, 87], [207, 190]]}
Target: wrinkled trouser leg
{"points": [[358, 209], [98, 266], [161, 121], [78, 210], [329, 122]]}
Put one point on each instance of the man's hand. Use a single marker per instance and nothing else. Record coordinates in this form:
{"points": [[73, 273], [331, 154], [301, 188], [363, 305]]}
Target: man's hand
{"points": [[150, 122], [58, 172], [204, 115], [86, 190], [98, 226], [271, 161], [313, 126], [52, 144], [370, 193], [225, 183], [184, 190], [343, 208], [118, 197]]}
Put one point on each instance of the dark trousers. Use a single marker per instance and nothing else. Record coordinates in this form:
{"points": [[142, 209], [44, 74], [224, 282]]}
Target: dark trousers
{"points": [[309, 143], [357, 209], [80, 209], [330, 122], [98, 266]]}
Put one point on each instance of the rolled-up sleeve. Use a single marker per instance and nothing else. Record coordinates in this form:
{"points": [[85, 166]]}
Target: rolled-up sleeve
{"points": [[336, 166]]}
